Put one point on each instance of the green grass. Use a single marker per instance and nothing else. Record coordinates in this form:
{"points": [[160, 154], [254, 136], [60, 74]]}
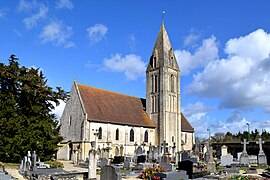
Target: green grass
{"points": [[125, 171]]}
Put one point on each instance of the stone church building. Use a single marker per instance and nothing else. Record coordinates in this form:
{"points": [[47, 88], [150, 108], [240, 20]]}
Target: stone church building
{"points": [[121, 124]]}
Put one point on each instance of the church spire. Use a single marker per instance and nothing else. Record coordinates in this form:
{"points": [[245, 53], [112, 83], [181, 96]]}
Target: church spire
{"points": [[162, 54]]}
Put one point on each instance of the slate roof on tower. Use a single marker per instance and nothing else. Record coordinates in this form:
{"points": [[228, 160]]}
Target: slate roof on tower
{"points": [[111, 107]]}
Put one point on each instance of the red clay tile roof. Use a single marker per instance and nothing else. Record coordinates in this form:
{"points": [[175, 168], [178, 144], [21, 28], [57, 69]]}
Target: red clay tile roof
{"points": [[185, 126], [110, 107]]}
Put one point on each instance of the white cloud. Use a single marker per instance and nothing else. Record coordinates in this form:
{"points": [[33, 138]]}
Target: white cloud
{"points": [[242, 80], [207, 52], [31, 21], [58, 110], [197, 115], [58, 34], [190, 39], [25, 5], [64, 4], [96, 33], [131, 64]]}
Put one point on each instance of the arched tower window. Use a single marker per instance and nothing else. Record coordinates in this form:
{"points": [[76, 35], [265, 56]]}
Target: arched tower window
{"points": [[117, 134], [154, 62], [131, 135], [172, 83], [100, 133], [156, 83], [146, 136]]}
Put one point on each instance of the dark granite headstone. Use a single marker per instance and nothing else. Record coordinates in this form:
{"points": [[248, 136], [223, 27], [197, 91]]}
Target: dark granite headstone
{"points": [[141, 159], [186, 165]]}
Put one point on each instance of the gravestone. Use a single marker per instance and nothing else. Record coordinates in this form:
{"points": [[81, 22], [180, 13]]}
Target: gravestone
{"points": [[232, 169], [194, 159], [224, 150], [139, 151], [165, 155], [244, 161], [92, 167], [206, 157], [34, 161], [211, 165], [104, 162], [169, 166], [184, 156], [110, 173], [262, 160], [226, 160], [252, 159], [126, 164], [187, 166], [141, 159], [174, 175], [155, 153]]}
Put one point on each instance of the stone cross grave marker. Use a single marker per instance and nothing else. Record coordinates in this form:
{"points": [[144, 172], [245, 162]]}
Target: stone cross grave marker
{"points": [[245, 146], [34, 161], [260, 142], [92, 164], [164, 159], [244, 161], [262, 160]]}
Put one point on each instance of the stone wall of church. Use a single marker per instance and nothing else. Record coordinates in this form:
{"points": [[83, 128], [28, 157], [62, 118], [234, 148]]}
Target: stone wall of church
{"points": [[123, 140], [72, 118], [188, 140]]}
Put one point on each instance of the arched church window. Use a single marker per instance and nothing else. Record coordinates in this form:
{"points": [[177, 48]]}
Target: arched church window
{"points": [[100, 133], [117, 134], [146, 136], [131, 135]]}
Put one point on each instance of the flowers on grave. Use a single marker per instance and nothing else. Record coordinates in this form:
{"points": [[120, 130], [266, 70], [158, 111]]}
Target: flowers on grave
{"points": [[149, 173]]}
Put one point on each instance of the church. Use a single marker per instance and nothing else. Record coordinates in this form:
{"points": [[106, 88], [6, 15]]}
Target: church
{"points": [[120, 124]]}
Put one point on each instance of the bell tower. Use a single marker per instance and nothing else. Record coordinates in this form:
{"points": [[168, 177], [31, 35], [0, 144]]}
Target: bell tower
{"points": [[163, 91]]}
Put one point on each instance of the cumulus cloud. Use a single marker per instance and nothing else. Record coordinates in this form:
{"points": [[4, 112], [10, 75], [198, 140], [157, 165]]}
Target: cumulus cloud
{"points": [[190, 39], [197, 115], [204, 54], [61, 4], [58, 34], [242, 79], [96, 33], [131, 64]]}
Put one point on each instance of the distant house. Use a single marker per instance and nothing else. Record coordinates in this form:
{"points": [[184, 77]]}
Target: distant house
{"points": [[120, 124]]}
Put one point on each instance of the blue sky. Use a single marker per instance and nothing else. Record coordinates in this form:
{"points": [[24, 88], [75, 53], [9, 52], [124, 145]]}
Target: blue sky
{"points": [[222, 48]]}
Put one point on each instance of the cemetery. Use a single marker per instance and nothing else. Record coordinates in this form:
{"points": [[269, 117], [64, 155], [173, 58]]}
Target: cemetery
{"points": [[157, 163]]}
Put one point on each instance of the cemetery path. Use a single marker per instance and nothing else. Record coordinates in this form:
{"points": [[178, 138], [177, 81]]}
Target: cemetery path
{"points": [[14, 173]]}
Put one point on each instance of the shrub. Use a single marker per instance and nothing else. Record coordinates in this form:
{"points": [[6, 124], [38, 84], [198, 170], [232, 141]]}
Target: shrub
{"points": [[55, 164]]}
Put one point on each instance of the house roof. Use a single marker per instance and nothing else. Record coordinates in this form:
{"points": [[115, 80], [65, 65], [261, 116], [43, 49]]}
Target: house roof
{"points": [[185, 126], [110, 107]]}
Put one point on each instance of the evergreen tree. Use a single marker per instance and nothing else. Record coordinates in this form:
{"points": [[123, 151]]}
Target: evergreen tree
{"points": [[26, 119]]}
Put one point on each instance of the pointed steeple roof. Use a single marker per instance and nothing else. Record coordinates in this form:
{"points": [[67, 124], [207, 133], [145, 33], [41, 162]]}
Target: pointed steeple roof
{"points": [[163, 43], [162, 54]]}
